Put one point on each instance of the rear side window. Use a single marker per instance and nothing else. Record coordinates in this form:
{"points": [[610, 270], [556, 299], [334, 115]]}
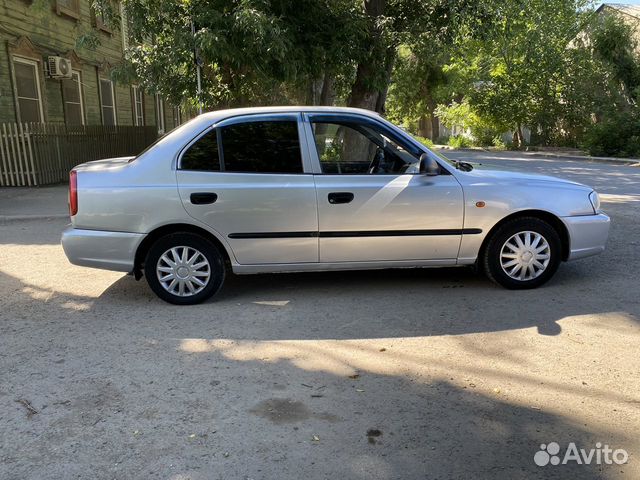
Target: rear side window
{"points": [[262, 147], [203, 154]]}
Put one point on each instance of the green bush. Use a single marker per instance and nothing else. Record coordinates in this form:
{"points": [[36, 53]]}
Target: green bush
{"points": [[618, 135], [498, 143], [425, 141], [459, 141], [482, 129]]}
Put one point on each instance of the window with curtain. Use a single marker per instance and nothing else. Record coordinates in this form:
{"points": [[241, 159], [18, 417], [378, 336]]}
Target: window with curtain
{"points": [[28, 96]]}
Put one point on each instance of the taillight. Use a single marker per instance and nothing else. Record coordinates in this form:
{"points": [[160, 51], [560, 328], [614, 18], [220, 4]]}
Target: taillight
{"points": [[73, 192]]}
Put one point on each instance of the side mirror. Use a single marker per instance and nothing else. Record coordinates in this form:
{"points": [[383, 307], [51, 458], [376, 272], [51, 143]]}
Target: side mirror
{"points": [[428, 165]]}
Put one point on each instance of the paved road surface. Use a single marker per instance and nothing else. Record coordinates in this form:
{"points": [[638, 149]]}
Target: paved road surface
{"points": [[416, 374]]}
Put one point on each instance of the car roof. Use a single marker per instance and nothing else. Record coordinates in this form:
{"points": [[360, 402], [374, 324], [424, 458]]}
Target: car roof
{"points": [[232, 112]]}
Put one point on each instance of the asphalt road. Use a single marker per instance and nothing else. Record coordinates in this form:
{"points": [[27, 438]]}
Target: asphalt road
{"points": [[415, 374]]}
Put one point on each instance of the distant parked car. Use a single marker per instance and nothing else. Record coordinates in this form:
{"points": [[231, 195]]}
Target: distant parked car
{"points": [[311, 188]]}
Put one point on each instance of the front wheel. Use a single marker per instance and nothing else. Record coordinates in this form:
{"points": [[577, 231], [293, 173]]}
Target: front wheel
{"points": [[522, 253], [184, 268]]}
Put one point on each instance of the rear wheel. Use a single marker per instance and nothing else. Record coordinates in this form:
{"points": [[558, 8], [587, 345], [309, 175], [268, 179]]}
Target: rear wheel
{"points": [[184, 268], [522, 253]]}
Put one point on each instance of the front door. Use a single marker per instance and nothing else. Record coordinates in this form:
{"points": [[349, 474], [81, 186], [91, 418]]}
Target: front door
{"points": [[373, 204], [246, 179]]}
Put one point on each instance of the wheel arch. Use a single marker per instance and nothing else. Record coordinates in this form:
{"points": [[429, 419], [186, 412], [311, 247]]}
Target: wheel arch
{"points": [[164, 230], [544, 215]]}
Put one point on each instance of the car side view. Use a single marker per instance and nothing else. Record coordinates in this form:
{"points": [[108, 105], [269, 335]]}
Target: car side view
{"points": [[287, 189]]}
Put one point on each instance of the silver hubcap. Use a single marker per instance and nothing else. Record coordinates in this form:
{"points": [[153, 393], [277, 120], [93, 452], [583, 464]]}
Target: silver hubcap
{"points": [[183, 271], [525, 256]]}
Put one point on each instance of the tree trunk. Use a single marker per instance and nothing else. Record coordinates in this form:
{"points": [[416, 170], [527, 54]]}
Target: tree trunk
{"points": [[366, 89], [424, 127], [362, 95], [390, 59], [328, 94], [518, 137], [435, 128], [327, 97], [313, 91]]}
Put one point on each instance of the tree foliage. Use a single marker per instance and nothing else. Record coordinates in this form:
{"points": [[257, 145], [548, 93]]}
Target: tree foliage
{"points": [[251, 51], [550, 65]]}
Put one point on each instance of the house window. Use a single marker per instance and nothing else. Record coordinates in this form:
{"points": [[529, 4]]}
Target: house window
{"points": [[28, 96], [138, 106], [72, 95], [159, 113], [177, 116], [107, 102], [102, 17], [70, 8]]}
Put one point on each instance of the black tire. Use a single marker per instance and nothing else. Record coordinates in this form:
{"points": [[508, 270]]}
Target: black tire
{"points": [[491, 257], [210, 251]]}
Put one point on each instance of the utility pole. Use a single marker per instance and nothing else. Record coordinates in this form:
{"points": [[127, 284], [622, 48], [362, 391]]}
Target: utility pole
{"points": [[198, 63]]}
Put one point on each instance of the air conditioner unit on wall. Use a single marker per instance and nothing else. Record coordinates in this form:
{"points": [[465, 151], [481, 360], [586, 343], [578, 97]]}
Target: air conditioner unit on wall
{"points": [[59, 67]]}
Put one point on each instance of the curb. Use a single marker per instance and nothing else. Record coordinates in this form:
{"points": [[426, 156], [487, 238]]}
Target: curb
{"points": [[633, 162]]}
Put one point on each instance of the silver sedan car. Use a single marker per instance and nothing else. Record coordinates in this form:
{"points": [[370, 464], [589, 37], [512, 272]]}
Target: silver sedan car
{"points": [[316, 188]]}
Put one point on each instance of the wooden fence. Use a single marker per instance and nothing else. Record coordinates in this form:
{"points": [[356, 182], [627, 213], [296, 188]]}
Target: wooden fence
{"points": [[43, 153]]}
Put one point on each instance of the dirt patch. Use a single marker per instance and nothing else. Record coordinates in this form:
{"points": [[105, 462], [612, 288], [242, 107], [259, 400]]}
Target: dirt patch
{"points": [[282, 410], [285, 410], [372, 434]]}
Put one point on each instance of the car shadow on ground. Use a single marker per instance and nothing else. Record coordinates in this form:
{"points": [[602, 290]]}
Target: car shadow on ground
{"points": [[206, 404], [377, 304]]}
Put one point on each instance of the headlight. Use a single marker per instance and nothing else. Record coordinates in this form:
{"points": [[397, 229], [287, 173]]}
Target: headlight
{"points": [[594, 198]]}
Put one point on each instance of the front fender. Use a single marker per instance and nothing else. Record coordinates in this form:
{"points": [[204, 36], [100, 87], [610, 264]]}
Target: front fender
{"points": [[487, 204]]}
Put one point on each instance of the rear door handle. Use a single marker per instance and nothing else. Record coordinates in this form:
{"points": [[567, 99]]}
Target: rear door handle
{"points": [[203, 198], [340, 197]]}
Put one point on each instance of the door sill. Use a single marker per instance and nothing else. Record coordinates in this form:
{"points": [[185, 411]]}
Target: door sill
{"points": [[324, 267]]}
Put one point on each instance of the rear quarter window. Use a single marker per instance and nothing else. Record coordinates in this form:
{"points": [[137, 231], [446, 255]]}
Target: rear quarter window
{"points": [[203, 154]]}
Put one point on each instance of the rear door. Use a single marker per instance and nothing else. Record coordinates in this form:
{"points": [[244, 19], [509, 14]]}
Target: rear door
{"points": [[373, 204], [248, 179]]}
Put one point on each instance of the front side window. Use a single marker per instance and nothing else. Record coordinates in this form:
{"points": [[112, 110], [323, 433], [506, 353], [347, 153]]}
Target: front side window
{"points": [[352, 148], [107, 102], [203, 154], [262, 147], [72, 95], [27, 90]]}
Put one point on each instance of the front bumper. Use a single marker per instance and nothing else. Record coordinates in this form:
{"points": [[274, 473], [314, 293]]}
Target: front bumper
{"points": [[587, 234], [99, 249]]}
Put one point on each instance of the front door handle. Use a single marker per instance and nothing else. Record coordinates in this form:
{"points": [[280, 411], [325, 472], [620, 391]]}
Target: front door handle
{"points": [[203, 198], [340, 197]]}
